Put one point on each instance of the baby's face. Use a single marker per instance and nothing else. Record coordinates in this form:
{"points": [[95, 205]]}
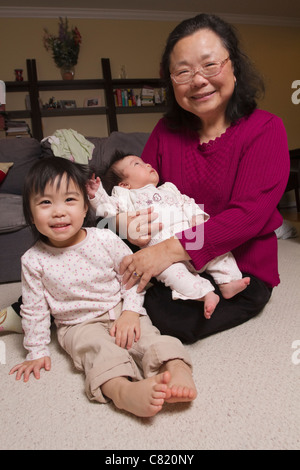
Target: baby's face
{"points": [[137, 174]]}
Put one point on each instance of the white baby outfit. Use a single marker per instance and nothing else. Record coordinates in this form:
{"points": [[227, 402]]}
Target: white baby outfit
{"points": [[177, 212]]}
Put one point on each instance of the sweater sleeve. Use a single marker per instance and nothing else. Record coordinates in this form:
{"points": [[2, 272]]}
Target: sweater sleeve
{"points": [[261, 177], [34, 310]]}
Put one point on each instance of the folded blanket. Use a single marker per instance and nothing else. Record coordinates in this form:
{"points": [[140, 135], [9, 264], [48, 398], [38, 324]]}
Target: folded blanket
{"points": [[67, 143]]}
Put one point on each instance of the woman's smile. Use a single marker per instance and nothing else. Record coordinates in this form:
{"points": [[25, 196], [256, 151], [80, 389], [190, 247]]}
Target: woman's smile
{"points": [[202, 96]]}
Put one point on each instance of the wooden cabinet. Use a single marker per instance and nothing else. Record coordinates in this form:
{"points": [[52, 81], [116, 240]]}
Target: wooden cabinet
{"points": [[34, 86]]}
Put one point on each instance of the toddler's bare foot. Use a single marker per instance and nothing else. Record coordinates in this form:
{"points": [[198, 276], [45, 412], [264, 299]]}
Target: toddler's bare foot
{"points": [[210, 300], [232, 288], [144, 398], [181, 387]]}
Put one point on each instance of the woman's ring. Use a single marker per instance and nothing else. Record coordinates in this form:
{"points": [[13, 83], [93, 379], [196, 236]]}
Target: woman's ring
{"points": [[136, 274]]}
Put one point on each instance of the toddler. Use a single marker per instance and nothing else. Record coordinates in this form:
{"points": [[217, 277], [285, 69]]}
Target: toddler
{"points": [[133, 186], [72, 273]]}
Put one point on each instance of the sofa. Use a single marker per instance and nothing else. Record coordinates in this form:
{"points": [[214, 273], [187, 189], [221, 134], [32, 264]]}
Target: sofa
{"points": [[17, 155]]}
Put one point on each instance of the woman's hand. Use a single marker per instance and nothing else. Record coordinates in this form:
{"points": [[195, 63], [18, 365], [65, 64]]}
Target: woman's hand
{"points": [[138, 227], [150, 262], [34, 366]]}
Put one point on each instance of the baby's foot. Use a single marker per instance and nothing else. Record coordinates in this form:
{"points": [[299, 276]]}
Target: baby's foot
{"points": [[210, 300], [181, 387], [232, 288], [144, 398]]}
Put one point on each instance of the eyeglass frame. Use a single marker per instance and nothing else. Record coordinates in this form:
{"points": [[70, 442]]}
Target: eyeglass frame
{"points": [[198, 70]]}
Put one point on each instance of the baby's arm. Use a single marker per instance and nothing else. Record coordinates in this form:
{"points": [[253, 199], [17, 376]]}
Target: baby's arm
{"points": [[193, 211], [126, 329], [92, 186], [33, 366]]}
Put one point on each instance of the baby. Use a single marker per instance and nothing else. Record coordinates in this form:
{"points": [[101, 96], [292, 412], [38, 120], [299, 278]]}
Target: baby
{"points": [[133, 186]]}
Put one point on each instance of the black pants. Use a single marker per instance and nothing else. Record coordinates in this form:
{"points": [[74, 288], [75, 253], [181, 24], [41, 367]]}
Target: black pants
{"points": [[184, 319]]}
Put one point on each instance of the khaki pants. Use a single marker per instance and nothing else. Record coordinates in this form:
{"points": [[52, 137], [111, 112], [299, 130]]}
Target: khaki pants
{"points": [[94, 351]]}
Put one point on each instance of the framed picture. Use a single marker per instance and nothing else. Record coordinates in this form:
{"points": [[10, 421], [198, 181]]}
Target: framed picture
{"points": [[89, 102], [67, 104]]}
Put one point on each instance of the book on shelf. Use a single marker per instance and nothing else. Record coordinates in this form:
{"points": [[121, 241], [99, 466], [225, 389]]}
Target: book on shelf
{"points": [[146, 96], [17, 129], [124, 97]]}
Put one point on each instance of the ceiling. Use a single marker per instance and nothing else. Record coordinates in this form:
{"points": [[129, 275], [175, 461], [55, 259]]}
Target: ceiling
{"points": [[257, 8]]}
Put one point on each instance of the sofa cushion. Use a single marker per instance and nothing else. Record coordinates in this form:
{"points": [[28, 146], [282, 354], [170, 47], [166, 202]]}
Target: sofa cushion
{"points": [[23, 153], [4, 168], [131, 142], [105, 147], [11, 210]]}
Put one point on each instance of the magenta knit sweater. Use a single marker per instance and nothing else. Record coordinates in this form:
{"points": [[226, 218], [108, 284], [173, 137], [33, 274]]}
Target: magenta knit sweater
{"points": [[240, 178]]}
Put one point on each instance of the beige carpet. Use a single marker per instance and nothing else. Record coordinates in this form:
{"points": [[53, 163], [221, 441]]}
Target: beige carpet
{"points": [[247, 379]]}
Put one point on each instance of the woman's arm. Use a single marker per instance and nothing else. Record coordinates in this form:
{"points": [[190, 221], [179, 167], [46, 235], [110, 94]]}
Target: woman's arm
{"points": [[260, 180]]}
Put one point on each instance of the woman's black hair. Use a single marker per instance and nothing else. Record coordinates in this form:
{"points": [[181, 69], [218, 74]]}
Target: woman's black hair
{"points": [[111, 176], [49, 170], [249, 84]]}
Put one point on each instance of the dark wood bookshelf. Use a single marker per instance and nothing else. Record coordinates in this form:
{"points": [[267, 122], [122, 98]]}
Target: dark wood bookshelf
{"points": [[34, 86]]}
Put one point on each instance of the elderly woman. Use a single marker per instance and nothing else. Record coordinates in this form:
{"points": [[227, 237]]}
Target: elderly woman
{"points": [[218, 148]]}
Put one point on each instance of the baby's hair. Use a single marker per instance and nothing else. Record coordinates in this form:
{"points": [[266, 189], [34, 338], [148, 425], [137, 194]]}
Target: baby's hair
{"points": [[112, 177], [49, 170]]}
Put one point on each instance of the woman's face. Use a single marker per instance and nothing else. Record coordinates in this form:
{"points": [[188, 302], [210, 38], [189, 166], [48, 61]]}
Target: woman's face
{"points": [[206, 97]]}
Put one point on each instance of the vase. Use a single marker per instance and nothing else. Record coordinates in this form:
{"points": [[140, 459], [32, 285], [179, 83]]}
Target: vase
{"points": [[67, 72]]}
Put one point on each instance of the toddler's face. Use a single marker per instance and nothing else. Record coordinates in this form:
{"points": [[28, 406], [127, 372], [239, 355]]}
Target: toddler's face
{"points": [[136, 173], [59, 213]]}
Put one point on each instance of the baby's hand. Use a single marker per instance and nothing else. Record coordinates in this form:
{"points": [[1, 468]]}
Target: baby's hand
{"points": [[126, 329], [92, 186], [197, 220], [31, 366]]}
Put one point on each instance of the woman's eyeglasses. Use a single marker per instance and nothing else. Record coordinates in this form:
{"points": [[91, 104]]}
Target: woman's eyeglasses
{"points": [[186, 75]]}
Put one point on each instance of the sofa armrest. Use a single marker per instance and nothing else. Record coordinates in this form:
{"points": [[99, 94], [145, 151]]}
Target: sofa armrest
{"points": [[23, 152]]}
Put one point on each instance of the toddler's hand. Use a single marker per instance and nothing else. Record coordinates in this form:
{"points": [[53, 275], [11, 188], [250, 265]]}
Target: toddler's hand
{"points": [[126, 329], [34, 366], [92, 186]]}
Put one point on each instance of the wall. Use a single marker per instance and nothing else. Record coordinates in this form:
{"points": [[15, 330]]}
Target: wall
{"points": [[138, 46]]}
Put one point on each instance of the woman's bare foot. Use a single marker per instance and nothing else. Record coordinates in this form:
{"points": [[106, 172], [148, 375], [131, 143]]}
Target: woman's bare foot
{"points": [[181, 387], [232, 288], [210, 300], [144, 398]]}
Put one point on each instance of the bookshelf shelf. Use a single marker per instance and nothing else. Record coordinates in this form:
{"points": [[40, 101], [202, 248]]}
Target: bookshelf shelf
{"points": [[140, 109]]}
